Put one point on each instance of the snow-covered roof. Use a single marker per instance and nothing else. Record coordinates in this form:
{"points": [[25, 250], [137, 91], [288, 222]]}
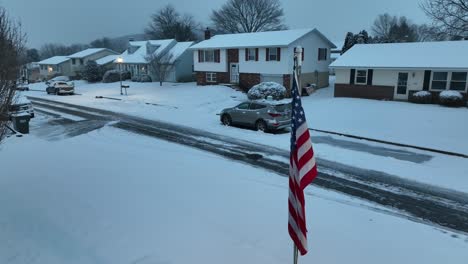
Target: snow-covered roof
{"points": [[54, 60], [444, 54], [281, 38], [21, 100], [87, 52], [107, 59], [139, 55], [179, 49]]}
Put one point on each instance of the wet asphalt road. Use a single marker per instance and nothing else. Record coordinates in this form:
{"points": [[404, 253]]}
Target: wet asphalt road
{"points": [[446, 209]]}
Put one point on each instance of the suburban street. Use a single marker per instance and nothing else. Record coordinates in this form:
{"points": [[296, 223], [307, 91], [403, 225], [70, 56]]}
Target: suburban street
{"points": [[431, 205]]}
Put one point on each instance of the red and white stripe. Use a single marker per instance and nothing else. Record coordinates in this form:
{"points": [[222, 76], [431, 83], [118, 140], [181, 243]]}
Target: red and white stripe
{"points": [[302, 171]]}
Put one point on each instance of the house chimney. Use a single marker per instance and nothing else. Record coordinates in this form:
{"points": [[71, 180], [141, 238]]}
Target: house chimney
{"points": [[207, 34]]}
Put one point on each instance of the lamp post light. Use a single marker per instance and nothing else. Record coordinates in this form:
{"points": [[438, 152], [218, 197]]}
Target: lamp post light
{"points": [[120, 61]]}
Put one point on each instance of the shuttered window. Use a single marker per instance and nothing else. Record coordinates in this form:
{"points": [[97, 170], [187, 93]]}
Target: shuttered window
{"points": [[439, 80], [322, 54], [361, 76], [209, 55]]}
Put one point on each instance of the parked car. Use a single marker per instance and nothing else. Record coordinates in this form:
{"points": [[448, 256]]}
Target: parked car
{"points": [[263, 115], [20, 106], [57, 79], [59, 88]]}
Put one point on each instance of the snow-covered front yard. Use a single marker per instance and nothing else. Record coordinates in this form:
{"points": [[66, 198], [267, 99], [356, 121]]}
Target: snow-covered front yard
{"points": [[196, 106], [95, 198], [429, 126]]}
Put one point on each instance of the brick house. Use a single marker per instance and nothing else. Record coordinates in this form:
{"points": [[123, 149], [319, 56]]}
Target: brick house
{"points": [[395, 71], [247, 59]]}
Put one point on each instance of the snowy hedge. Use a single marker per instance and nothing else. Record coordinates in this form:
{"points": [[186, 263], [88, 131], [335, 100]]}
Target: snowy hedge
{"points": [[451, 98], [114, 76], [421, 97], [265, 89]]}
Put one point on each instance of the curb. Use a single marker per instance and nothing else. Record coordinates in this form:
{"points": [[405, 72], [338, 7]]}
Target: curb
{"points": [[393, 143]]}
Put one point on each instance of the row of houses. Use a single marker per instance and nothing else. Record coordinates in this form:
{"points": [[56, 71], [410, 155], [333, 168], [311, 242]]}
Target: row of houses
{"points": [[243, 59], [374, 71]]}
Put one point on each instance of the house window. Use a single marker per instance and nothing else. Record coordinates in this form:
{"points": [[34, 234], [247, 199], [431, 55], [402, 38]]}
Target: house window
{"points": [[251, 55], [73, 61], [439, 80], [207, 56], [211, 77], [322, 54], [458, 81], [272, 54], [361, 77], [81, 62]]}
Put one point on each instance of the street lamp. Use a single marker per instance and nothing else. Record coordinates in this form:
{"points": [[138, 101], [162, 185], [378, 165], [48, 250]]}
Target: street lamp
{"points": [[120, 61]]}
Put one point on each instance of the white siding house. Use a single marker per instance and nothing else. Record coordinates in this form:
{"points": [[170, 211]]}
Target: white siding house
{"points": [[249, 58], [135, 58], [78, 60], [57, 65], [398, 70]]}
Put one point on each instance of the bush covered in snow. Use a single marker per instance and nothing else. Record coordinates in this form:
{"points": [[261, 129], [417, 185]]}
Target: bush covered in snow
{"points": [[451, 98], [114, 76], [421, 97], [265, 89], [141, 78]]}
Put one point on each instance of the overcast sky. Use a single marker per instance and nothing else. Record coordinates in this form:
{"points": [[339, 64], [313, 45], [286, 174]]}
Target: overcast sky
{"points": [[81, 21]]}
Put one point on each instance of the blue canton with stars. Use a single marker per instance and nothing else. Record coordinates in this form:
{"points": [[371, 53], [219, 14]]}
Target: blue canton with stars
{"points": [[297, 115]]}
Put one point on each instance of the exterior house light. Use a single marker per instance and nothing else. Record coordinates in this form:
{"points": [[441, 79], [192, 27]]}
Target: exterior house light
{"points": [[50, 69]]}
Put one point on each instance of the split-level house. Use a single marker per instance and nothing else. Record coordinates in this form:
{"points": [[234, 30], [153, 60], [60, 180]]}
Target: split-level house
{"points": [[395, 71], [177, 54], [107, 63], [78, 60], [57, 65], [247, 59]]}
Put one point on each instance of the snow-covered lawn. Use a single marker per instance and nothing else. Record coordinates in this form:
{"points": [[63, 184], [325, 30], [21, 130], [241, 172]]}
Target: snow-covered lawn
{"points": [[96, 198], [197, 106]]}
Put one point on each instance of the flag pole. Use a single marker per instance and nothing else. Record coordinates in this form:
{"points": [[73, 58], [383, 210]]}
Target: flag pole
{"points": [[295, 254], [297, 73]]}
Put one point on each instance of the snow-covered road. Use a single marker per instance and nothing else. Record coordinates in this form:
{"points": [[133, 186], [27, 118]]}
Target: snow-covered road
{"points": [[420, 202], [111, 196]]}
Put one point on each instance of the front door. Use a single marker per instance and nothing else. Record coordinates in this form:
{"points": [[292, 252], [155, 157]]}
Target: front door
{"points": [[234, 69], [402, 86]]}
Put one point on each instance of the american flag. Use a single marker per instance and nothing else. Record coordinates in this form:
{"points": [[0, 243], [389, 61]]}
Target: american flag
{"points": [[302, 171]]}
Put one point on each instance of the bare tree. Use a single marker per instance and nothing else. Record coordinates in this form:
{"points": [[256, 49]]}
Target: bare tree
{"points": [[450, 16], [238, 16], [161, 65], [382, 25], [50, 49], [167, 23], [430, 33], [11, 47]]}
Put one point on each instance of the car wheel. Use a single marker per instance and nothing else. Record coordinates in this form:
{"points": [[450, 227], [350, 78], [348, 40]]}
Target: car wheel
{"points": [[261, 126], [226, 120]]}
